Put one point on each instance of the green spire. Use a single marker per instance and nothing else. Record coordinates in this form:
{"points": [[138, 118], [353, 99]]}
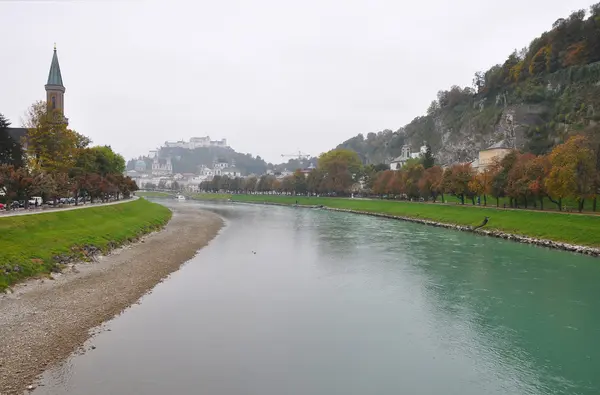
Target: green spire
{"points": [[54, 77]]}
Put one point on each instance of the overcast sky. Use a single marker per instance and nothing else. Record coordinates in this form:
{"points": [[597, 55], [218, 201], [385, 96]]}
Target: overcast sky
{"points": [[271, 76]]}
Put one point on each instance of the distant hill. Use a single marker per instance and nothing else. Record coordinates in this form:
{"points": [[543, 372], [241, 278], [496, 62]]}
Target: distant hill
{"points": [[188, 161]]}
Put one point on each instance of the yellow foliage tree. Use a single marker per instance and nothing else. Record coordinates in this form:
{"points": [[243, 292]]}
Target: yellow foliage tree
{"points": [[51, 146], [573, 171]]}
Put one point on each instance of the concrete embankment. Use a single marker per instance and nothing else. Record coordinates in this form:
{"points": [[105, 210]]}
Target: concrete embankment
{"points": [[484, 232], [44, 320]]}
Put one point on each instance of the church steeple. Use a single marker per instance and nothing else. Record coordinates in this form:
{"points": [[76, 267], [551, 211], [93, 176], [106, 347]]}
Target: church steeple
{"points": [[55, 90], [54, 77]]}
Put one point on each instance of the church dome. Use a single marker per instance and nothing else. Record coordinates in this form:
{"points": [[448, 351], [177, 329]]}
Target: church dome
{"points": [[140, 165]]}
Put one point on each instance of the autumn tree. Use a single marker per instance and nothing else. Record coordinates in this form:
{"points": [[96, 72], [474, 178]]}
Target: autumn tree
{"points": [[573, 170], [287, 184], [456, 180], [430, 184], [250, 184], [396, 183], [21, 183], [517, 181], [501, 168], [481, 184], [51, 145], [411, 180], [314, 181], [380, 185], [535, 173], [341, 168]]}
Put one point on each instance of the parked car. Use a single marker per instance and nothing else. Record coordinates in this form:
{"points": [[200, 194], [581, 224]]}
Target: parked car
{"points": [[15, 205], [2, 206], [37, 199]]}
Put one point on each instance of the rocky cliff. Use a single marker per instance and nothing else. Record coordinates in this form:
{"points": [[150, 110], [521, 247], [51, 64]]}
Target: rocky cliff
{"points": [[532, 116]]}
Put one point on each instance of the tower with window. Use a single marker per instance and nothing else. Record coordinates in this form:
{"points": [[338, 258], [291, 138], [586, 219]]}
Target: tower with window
{"points": [[55, 90]]}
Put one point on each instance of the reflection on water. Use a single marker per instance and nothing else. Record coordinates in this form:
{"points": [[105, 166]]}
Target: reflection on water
{"points": [[335, 303]]}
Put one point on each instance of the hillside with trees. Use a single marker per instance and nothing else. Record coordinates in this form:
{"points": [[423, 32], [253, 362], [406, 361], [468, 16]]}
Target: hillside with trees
{"points": [[534, 100]]}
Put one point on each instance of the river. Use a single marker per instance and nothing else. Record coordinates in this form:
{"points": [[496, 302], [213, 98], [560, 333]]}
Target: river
{"points": [[306, 301]]}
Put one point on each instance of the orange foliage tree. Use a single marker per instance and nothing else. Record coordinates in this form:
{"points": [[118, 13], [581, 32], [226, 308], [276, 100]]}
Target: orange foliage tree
{"points": [[456, 181]]}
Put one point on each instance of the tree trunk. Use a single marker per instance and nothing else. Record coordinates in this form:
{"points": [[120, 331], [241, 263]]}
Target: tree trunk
{"points": [[581, 202], [542, 203], [497, 201], [594, 204], [485, 200], [558, 203], [525, 198], [462, 199]]}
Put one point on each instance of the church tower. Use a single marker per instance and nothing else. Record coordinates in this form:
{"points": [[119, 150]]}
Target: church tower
{"points": [[55, 90]]}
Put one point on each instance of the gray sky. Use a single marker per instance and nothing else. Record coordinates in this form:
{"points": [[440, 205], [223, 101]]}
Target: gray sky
{"points": [[271, 76]]}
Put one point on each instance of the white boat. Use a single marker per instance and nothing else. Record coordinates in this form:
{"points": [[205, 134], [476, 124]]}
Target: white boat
{"points": [[180, 197]]}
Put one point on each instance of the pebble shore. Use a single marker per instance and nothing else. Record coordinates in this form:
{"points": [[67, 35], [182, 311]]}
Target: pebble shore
{"points": [[43, 321]]}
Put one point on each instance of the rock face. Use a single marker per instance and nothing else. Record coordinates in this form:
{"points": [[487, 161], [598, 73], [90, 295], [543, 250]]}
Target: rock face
{"points": [[484, 128]]}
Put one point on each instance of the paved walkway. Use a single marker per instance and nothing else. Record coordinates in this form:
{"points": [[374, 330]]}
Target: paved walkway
{"points": [[14, 213]]}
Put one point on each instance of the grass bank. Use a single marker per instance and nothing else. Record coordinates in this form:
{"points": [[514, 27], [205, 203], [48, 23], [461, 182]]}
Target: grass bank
{"points": [[33, 245], [567, 228], [154, 194], [209, 196]]}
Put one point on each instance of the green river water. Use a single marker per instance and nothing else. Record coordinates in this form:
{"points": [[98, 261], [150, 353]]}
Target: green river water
{"points": [[335, 303]]}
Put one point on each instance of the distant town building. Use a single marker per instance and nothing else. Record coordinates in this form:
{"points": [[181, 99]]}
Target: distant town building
{"points": [[161, 166], [197, 142]]}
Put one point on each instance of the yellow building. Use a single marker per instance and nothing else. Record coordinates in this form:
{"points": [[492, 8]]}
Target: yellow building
{"points": [[494, 152]]}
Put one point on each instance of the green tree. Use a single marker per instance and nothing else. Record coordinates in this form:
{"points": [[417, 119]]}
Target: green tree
{"points": [[11, 151], [299, 180], [428, 160]]}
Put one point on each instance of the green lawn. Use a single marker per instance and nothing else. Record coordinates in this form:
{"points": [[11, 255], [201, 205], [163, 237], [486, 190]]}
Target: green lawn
{"points": [[29, 243], [569, 228], [571, 204], [209, 196], [153, 194]]}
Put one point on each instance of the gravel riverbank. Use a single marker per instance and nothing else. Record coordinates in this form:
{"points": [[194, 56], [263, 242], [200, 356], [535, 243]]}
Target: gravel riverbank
{"points": [[44, 321]]}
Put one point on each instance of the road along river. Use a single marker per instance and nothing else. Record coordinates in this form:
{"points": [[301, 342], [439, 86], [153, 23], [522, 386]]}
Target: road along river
{"points": [[306, 301]]}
